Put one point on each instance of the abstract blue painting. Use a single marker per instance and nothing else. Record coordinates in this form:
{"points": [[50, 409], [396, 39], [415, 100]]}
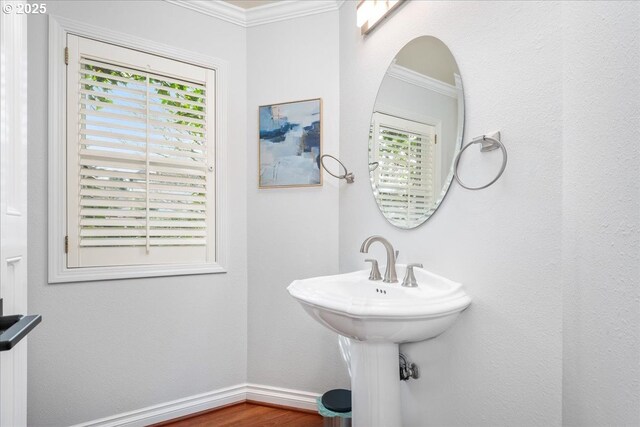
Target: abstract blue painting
{"points": [[290, 144]]}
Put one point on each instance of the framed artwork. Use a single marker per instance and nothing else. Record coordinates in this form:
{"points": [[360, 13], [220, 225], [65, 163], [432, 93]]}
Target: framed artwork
{"points": [[290, 144]]}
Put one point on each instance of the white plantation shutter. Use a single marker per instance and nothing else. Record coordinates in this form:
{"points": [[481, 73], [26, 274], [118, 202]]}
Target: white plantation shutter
{"points": [[405, 175], [140, 157]]}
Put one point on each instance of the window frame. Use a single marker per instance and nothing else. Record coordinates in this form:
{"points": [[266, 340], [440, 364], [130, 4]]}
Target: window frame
{"points": [[58, 272]]}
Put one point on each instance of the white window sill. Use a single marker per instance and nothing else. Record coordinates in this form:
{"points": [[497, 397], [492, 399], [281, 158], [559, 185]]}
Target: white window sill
{"points": [[86, 274]]}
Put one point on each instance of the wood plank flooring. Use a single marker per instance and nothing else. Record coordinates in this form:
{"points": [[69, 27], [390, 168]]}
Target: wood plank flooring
{"points": [[249, 415]]}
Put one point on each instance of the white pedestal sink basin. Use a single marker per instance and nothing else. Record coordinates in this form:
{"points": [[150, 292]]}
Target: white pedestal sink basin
{"points": [[377, 317]]}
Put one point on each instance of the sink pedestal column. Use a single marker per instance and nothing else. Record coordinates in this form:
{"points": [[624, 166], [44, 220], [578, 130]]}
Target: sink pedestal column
{"points": [[375, 384]]}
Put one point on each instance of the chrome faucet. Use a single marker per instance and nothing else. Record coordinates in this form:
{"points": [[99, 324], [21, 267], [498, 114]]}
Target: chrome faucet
{"points": [[390, 275]]}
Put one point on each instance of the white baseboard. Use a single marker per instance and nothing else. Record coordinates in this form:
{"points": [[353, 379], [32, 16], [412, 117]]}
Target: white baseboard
{"points": [[206, 401], [282, 396]]}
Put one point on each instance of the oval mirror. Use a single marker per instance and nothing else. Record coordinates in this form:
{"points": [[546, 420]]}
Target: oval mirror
{"points": [[416, 132]]}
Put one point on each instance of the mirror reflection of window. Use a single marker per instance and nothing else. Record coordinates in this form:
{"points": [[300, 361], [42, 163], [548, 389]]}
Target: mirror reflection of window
{"points": [[419, 111], [408, 161]]}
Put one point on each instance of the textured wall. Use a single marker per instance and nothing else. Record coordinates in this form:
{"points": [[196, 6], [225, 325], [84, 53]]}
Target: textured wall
{"points": [[601, 207], [500, 364], [109, 347], [292, 233]]}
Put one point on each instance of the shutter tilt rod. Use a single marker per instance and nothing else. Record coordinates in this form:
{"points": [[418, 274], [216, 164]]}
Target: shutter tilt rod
{"points": [[148, 242]]}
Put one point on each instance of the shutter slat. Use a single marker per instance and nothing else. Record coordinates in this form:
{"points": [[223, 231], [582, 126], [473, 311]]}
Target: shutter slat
{"points": [[115, 156], [120, 118], [402, 196], [177, 141], [169, 112], [141, 232], [176, 163], [89, 72], [391, 185], [117, 213], [156, 87], [160, 196], [178, 188], [142, 242], [121, 222], [104, 183], [161, 117], [178, 242], [173, 116], [169, 164], [119, 88], [156, 96], [113, 194], [133, 204], [106, 66], [175, 152], [135, 164], [109, 96], [97, 122], [400, 203], [89, 161], [128, 137], [166, 179], [177, 171], [91, 144], [160, 125], [110, 106]]}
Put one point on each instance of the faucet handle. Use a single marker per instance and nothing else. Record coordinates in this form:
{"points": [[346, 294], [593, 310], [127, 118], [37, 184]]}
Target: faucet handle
{"points": [[410, 278], [375, 271]]}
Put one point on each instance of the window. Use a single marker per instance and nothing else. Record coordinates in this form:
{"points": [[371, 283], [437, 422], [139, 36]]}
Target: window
{"points": [[139, 158], [405, 167]]}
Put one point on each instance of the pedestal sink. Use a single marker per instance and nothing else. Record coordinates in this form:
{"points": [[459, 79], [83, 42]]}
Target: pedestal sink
{"points": [[378, 317]]}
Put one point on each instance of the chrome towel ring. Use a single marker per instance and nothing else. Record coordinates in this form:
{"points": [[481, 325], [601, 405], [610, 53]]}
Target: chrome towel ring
{"points": [[489, 143], [347, 176]]}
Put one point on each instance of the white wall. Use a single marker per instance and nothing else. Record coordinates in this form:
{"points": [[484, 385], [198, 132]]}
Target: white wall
{"points": [[293, 233], [601, 207], [500, 364], [104, 348]]}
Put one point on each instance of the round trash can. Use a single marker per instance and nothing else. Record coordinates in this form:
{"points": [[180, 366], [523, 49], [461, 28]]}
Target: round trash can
{"points": [[335, 408]]}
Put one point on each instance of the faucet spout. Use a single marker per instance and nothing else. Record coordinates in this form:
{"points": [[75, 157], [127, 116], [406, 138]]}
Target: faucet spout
{"points": [[390, 275]]}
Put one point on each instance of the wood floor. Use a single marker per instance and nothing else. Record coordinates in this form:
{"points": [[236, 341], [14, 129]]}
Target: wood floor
{"points": [[249, 415]]}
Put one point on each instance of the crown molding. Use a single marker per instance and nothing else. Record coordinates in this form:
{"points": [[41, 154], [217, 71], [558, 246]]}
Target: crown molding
{"points": [[273, 12], [283, 10], [218, 9], [412, 77]]}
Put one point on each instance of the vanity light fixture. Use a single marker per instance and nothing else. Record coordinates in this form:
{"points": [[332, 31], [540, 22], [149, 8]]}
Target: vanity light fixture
{"points": [[371, 12]]}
